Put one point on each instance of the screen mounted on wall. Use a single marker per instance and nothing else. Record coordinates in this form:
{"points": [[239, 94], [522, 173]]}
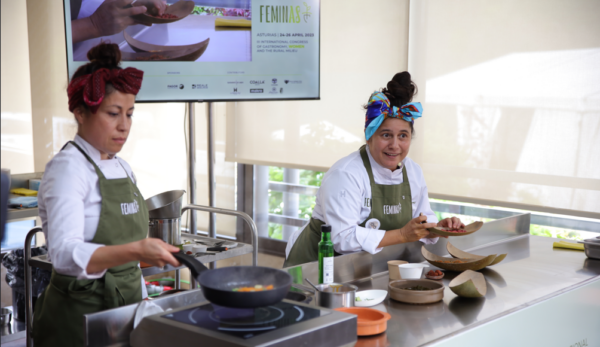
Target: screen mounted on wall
{"points": [[211, 50]]}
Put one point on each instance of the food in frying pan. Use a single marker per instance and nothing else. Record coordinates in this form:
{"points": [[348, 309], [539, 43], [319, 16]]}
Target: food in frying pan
{"points": [[256, 288]]}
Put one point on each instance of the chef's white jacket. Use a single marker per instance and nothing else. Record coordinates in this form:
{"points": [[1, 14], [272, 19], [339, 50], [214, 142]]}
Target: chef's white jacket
{"points": [[69, 203], [340, 202]]}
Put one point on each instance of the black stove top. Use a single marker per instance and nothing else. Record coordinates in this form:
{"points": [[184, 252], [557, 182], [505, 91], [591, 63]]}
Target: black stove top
{"points": [[245, 323]]}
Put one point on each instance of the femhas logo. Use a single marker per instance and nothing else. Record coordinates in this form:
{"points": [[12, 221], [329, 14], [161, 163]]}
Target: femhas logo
{"points": [[392, 209], [129, 208], [283, 14]]}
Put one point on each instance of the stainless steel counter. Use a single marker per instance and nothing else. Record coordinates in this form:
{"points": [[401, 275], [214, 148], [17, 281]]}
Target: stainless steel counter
{"points": [[533, 272]]}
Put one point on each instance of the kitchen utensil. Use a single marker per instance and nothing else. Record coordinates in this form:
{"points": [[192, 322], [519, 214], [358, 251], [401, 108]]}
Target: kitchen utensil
{"points": [[411, 271], [169, 53], [164, 211], [591, 248], [457, 264], [216, 249], [217, 285], [469, 229], [369, 321], [399, 292], [6, 315], [368, 298], [165, 205], [309, 282], [469, 284], [457, 253], [181, 9], [334, 295], [394, 270], [239, 23]]}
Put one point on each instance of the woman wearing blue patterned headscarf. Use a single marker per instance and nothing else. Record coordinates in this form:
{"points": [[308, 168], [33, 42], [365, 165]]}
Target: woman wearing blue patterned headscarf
{"points": [[376, 196]]}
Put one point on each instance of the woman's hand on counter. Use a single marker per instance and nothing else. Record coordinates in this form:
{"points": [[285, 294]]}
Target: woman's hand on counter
{"points": [[414, 230], [156, 252]]}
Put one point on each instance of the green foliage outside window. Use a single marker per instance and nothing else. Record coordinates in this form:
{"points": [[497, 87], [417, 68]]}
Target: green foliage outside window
{"points": [[305, 205]]}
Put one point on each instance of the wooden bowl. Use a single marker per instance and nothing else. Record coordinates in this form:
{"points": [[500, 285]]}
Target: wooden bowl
{"points": [[399, 293], [460, 264], [457, 253], [181, 9], [190, 54], [369, 321], [469, 229]]}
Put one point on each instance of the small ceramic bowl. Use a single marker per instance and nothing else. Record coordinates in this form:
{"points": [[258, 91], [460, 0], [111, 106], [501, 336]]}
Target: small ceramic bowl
{"points": [[393, 269], [369, 321], [412, 271], [188, 248]]}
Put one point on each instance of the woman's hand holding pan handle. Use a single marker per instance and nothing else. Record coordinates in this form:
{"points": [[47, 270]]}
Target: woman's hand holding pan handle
{"points": [[156, 252]]}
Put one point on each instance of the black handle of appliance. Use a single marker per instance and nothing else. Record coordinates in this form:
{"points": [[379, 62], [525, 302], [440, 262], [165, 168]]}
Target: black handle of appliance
{"points": [[192, 263]]}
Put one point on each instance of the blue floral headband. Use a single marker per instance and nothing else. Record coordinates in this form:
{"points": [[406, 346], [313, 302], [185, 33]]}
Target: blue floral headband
{"points": [[378, 109]]}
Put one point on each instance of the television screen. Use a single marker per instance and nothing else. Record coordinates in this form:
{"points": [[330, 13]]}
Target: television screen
{"points": [[205, 50]]}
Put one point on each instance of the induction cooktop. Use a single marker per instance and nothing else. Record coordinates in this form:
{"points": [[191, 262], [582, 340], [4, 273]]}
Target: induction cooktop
{"points": [[286, 323]]}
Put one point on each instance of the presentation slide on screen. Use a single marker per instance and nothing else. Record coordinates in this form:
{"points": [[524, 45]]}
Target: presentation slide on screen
{"points": [[230, 50]]}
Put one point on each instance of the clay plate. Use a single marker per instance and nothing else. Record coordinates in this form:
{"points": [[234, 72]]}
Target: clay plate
{"points": [[471, 228], [457, 253], [181, 9], [468, 264]]}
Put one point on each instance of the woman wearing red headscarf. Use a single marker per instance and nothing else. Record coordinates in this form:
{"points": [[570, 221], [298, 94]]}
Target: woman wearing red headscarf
{"points": [[93, 216]]}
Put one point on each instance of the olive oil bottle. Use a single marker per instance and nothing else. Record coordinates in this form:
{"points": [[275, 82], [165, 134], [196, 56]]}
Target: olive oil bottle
{"points": [[325, 255]]}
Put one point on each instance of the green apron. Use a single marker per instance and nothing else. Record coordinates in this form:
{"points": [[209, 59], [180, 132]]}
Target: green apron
{"points": [[391, 205], [58, 317]]}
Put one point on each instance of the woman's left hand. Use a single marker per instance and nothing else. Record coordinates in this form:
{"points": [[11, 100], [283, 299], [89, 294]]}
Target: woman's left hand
{"points": [[453, 223]]}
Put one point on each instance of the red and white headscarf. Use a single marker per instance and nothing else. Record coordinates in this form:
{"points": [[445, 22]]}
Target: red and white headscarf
{"points": [[90, 88]]}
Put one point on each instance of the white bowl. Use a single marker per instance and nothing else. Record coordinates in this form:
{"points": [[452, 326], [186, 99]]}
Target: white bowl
{"points": [[369, 297], [412, 271], [187, 248]]}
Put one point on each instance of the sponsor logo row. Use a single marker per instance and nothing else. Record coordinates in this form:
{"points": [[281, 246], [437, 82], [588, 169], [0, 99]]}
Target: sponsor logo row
{"points": [[273, 89]]}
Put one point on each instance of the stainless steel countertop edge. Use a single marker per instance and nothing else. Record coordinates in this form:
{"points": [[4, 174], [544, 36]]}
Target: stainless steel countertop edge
{"points": [[511, 311]]}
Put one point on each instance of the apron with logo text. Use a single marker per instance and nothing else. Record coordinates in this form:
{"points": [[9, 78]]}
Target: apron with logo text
{"points": [[58, 317], [391, 205]]}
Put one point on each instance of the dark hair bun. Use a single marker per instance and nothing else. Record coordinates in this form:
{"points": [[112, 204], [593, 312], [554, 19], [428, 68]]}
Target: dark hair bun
{"points": [[401, 89], [105, 55]]}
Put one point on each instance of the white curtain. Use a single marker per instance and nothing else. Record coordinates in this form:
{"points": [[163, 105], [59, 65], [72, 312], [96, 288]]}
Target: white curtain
{"points": [[511, 95]]}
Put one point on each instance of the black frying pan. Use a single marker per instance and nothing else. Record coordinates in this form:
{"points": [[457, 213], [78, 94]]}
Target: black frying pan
{"points": [[217, 285]]}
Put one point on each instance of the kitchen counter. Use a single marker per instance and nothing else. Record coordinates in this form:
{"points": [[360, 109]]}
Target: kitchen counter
{"points": [[530, 279]]}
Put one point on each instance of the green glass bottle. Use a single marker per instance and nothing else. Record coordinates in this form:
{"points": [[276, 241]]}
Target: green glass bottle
{"points": [[325, 255]]}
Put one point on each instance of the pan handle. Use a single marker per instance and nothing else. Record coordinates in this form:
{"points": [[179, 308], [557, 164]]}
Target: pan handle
{"points": [[196, 267]]}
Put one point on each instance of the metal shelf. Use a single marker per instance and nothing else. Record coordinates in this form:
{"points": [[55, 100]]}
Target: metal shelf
{"points": [[241, 249]]}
